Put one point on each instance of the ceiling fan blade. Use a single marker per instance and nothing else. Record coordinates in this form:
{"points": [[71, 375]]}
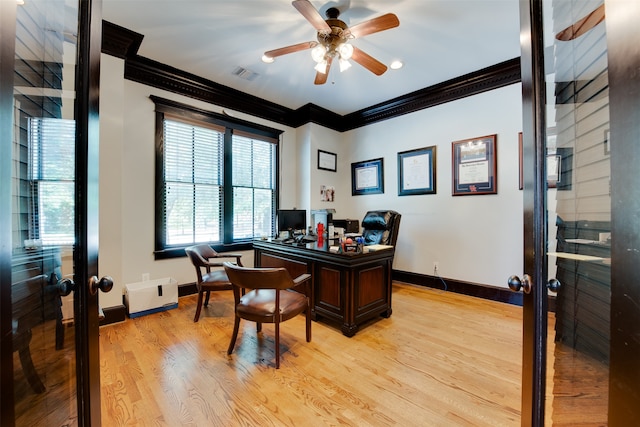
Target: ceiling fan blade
{"points": [[290, 49], [375, 25], [312, 15], [368, 62], [321, 78], [582, 26]]}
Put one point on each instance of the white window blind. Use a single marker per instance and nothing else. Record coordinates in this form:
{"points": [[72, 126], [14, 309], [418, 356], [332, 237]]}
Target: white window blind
{"points": [[193, 192], [253, 187], [51, 176], [216, 180]]}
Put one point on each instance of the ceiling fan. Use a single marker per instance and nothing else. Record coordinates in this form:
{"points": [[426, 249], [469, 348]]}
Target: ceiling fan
{"points": [[333, 40]]}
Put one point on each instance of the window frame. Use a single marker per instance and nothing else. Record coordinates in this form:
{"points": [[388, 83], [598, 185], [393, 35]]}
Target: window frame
{"points": [[164, 107]]}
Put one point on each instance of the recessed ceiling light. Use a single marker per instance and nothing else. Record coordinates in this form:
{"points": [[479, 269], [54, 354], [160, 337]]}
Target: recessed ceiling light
{"points": [[267, 59], [20, 2], [395, 65]]}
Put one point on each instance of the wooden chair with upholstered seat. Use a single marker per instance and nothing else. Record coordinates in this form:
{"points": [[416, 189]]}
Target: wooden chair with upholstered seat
{"points": [[210, 272], [272, 299]]}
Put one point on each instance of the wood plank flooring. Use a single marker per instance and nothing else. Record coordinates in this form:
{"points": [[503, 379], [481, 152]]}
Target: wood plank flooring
{"points": [[441, 359]]}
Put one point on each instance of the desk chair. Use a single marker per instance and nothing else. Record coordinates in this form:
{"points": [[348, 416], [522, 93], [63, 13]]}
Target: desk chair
{"points": [[271, 300], [210, 274], [381, 227]]}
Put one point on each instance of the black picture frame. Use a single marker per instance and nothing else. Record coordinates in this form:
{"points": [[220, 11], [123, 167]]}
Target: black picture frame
{"points": [[367, 177], [327, 161], [417, 171], [474, 166]]}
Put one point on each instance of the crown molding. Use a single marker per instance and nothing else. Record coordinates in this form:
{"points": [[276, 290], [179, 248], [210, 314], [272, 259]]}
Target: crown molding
{"points": [[486, 79], [123, 43], [120, 42]]}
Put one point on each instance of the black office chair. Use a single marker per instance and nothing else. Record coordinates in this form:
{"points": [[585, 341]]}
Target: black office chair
{"points": [[381, 227]]}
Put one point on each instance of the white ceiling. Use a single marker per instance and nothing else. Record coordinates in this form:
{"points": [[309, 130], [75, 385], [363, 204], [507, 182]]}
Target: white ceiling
{"points": [[437, 40]]}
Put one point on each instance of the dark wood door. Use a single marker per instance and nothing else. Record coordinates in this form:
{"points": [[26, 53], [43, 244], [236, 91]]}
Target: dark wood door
{"points": [[49, 212], [580, 133]]}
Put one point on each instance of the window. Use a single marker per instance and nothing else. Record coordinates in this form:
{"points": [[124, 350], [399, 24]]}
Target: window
{"points": [[51, 179], [215, 180]]}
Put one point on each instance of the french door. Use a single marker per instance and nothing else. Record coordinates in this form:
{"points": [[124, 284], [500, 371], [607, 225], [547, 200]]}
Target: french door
{"points": [[581, 102], [49, 212]]}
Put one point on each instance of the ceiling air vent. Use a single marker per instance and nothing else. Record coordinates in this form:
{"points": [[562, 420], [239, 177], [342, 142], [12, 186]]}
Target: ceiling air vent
{"points": [[243, 73]]}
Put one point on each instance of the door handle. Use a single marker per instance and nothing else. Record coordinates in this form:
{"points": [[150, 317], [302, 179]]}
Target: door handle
{"points": [[65, 287], [515, 284], [105, 284], [553, 285]]}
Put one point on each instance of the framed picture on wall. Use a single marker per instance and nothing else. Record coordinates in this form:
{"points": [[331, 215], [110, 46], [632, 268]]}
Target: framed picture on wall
{"points": [[327, 161], [367, 177], [474, 166], [417, 171]]}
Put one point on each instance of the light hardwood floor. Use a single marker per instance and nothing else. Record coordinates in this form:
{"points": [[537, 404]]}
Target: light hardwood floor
{"points": [[441, 359]]}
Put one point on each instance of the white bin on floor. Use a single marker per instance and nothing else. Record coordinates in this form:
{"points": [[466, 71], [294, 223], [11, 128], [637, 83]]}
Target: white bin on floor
{"points": [[151, 296]]}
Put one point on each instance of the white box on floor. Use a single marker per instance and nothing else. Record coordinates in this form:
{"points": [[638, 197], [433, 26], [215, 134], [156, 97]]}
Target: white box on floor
{"points": [[151, 296]]}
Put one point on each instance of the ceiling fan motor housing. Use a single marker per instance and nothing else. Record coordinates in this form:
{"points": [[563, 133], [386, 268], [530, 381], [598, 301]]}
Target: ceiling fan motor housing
{"points": [[336, 37]]}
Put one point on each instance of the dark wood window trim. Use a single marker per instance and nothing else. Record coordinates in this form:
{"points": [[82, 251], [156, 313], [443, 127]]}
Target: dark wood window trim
{"points": [[231, 124]]}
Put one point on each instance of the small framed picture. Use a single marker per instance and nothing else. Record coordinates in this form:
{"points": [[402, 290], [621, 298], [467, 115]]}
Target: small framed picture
{"points": [[327, 161]]}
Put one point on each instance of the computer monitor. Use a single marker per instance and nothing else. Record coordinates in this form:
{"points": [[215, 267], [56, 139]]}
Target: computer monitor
{"points": [[292, 220]]}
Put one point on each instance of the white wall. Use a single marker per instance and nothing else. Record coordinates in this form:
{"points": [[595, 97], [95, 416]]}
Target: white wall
{"points": [[474, 238], [127, 186]]}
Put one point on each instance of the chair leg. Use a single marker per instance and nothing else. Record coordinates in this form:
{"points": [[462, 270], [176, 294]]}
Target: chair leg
{"points": [[258, 327], [59, 331], [206, 299], [198, 306], [27, 364], [308, 320], [277, 345], [234, 336]]}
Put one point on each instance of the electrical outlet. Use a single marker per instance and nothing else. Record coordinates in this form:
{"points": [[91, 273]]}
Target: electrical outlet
{"points": [[436, 265], [145, 277]]}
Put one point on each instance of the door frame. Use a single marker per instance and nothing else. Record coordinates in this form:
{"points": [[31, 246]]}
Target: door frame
{"points": [[86, 250], [534, 313], [624, 101], [85, 254], [7, 70], [623, 57]]}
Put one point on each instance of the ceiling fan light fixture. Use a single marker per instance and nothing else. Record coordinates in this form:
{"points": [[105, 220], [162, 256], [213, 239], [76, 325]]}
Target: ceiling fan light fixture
{"points": [[267, 59], [318, 53], [396, 65], [321, 67], [345, 50], [344, 64]]}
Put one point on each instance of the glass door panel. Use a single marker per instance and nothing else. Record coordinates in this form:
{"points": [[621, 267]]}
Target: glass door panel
{"points": [[579, 211], [43, 213]]}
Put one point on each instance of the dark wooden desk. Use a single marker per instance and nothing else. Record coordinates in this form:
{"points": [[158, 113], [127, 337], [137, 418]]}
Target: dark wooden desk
{"points": [[349, 289]]}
